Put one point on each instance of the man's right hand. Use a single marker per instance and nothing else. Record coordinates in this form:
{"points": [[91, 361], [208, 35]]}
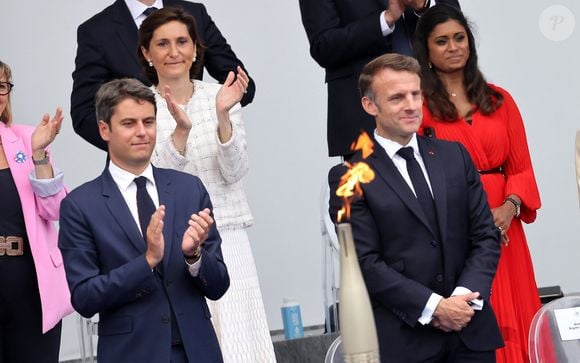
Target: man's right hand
{"points": [[395, 9], [155, 241], [454, 313]]}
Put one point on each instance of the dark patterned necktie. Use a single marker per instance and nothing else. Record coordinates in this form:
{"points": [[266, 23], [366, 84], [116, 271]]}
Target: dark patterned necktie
{"points": [[145, 205], [148, 11], [421, 187]]}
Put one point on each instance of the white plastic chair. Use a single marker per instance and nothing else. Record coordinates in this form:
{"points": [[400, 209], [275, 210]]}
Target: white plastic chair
{"points": [[545, 342], [334, 353], [88, 334], [330, 263]]}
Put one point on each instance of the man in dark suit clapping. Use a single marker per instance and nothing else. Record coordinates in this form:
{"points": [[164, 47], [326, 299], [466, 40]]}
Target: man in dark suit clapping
{"points": [[139, 244], [346, 34]]}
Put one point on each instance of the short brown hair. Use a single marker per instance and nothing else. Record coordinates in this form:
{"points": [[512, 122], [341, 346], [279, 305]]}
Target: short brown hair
{"points": [[393, 61], [6, 115], [116, 91], [162, 17]]}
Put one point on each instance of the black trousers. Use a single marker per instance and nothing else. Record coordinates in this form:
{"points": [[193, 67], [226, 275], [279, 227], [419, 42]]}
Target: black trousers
{"points": [[21, 338], [454, 351]]}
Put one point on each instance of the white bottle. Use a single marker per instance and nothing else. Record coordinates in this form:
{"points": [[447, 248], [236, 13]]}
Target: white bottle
{"points": [[357, 322]]}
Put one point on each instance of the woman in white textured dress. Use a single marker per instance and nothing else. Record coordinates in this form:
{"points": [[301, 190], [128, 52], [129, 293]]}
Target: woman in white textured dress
{"points": [[200, 131]]}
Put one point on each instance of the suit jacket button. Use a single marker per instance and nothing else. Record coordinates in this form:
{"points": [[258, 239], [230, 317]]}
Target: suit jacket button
{"points": [[439, 277], [165, 319], [433, 244]]}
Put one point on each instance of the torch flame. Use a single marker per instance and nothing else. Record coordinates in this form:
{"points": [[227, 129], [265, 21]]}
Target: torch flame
{"points": [[364, 144], [357, 173]]}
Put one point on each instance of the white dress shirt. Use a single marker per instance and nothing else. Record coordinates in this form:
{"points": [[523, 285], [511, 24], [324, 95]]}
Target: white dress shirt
{"points": [[136, 8], [385, 28]]}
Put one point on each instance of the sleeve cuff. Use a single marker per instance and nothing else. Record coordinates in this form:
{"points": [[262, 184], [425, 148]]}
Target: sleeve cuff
{"points": [[385, 29], [47, 187], [427, 314], [194, 267]]}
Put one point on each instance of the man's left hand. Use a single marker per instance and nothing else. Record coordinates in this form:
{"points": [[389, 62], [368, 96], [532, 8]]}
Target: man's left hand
{"points": [[197, 232]]}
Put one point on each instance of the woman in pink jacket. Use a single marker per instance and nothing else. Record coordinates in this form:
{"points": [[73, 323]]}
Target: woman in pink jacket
{"points": [[34, 296]]}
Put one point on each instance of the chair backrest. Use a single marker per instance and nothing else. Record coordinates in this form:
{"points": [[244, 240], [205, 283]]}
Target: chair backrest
{"points": [[545, 341], [334, 353], [578, 162], [88, 335], [330, 263]]}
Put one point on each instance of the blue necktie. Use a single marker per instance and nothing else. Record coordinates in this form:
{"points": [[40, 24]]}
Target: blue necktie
{"points": [[421, 187]]}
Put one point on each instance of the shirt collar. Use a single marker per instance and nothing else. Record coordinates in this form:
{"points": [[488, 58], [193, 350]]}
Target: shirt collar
{"points": [[136, 8], [391, 147], [123, 178]]}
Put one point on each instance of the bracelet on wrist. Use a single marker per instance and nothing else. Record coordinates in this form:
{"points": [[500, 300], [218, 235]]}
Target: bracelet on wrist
{"points": [[195, 256], [42, 161], [516, 204], [181, 152]]}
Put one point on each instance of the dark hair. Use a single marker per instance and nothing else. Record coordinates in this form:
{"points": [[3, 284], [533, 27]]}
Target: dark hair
{"points": [[6, 115], [393, 61], [438, 101], [159, 18], [114, 92]]}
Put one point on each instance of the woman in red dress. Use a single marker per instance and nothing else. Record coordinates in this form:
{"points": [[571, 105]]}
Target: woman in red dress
{"points": [[461, 106]]}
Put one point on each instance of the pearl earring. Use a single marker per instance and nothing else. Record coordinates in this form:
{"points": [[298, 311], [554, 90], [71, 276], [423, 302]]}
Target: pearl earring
{"points": [[194, 58], [430, 65], [150, 63]]}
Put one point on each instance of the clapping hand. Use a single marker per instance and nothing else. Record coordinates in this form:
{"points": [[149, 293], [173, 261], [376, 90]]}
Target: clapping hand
{"points": [[155, 239], [46, 131], [179, 115], [232, 90], [196, 232]]}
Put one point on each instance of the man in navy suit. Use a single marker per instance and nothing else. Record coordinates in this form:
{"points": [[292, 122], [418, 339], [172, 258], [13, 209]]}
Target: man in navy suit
{"points": [[345, 35], [107, 50], [146, 274], [428, 248]]}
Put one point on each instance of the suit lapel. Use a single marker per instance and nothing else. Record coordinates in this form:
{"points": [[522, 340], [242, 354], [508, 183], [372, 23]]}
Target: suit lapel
{"points": [[120, 211], [435, 167], [126, 31], [166, 198], [16, 156], [384, 167]]}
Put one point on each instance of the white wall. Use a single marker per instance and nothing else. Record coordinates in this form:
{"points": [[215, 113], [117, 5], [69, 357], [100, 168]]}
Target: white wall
{"points": [[286, 125]]}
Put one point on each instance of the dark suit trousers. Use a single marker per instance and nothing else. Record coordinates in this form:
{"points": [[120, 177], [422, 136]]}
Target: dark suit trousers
{"points": [[454, 351]]}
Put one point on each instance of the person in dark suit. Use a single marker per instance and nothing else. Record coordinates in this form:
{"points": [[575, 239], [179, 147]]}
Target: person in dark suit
{"points": [[107, 50], [344, 35], [139, 244], [425, 238]]}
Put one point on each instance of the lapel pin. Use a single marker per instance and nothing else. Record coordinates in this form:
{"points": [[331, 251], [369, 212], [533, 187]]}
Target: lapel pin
{"points": [[20, 157], [431, 152]]}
